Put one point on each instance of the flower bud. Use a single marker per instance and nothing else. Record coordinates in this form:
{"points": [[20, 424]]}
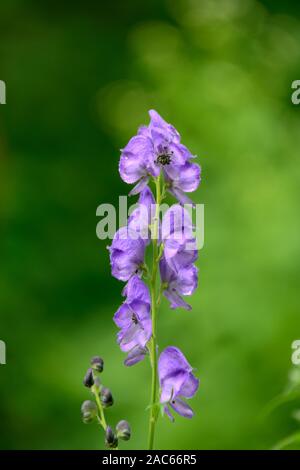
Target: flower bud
{"points": [[106, 397], [123, 430], [111, 440], [88, 380], [97, 364], [88, 411]]}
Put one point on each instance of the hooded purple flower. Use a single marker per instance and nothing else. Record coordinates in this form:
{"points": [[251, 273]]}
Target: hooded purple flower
{"points": [[126, 253], [183, 179], [178, 283], [176, 382], [142, 216], [133, 166], [155, 147], [180, 248], [134, 320]]}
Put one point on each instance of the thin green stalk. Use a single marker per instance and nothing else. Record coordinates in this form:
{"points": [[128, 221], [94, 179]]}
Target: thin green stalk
{"points": [[153, 342], [100, 408], [101, 416]]}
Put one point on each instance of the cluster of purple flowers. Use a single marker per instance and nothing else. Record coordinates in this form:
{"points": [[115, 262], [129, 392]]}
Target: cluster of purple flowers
{"points": [[157, 150]]}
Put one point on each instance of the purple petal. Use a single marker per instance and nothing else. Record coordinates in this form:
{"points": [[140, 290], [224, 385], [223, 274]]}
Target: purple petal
{"points": [[141, 218], [189, 177], [182, 408], [133, 160], [121, 265], [166, 273], [136, 289], [139, 186], [170, 361], [173, 370], [130, 337], [187, 280], [190, 386], [158, 122], [176, 223], [141, 310], [181, 197], [123, 316], [171, 385], [147, 199], [175, 300], [183, 258], [134, 356], [126, 253], [168, 413], [135, 321]]}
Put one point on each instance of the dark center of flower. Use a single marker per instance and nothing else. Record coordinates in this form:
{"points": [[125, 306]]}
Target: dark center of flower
{"points": [[165, 156], [164, 159], [134, 319]]}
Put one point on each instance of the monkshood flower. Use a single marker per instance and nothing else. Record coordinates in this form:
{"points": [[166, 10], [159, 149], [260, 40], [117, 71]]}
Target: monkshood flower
{"points": [[183, 179], [157, 147], [134, 320], [178, 283], [177, 381], [126, 254], [179, 244], [142, 217]]}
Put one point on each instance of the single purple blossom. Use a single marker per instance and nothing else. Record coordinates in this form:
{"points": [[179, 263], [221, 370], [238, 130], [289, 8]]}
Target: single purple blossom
{"points": [[183, 179], [156, 147], [134, 320], [133, 166], [126, 253], [142, 217], [177, 381], [136, 289], [180, 249], [178, 283]]}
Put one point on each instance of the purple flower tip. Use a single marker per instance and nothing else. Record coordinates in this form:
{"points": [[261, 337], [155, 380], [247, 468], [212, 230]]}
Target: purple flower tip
{"points": [[157, 148]]}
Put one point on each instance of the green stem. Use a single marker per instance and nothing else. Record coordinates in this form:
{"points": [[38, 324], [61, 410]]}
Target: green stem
{"points": [[103, 423], [153, 342]]}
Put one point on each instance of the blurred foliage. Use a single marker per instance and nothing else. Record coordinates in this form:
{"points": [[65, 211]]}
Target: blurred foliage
{"points": [[79, 81]]}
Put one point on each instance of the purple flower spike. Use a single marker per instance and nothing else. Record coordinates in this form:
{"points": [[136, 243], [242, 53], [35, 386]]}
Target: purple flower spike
{"points": [[178, 283], [134, 320], [126, 253], [142, 216], [176, 382]]}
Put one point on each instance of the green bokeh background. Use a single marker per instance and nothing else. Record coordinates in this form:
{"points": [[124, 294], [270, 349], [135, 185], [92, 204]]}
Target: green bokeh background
{"points": [[80, 78]]}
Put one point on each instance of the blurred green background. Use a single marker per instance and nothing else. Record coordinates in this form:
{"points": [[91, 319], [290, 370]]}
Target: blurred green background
{"points": [[80, 80]]}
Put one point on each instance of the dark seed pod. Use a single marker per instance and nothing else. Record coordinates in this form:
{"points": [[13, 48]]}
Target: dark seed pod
{"points": [[106, 397], [111, 440], [97, 364], [123, 430], [88, 380], [88, 411]]}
